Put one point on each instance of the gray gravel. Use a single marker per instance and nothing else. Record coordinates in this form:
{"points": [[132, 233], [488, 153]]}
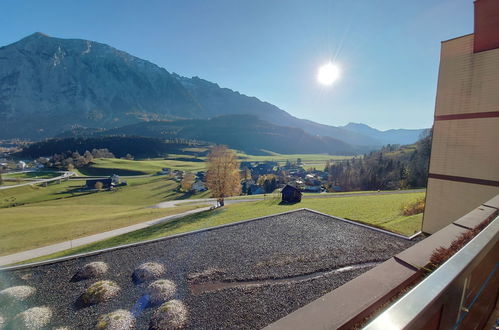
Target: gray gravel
{"points": [[276, 247]]}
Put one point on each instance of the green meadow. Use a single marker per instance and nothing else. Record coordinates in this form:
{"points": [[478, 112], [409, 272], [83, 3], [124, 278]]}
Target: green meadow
{"points": [[383, 211], [58, 213]]}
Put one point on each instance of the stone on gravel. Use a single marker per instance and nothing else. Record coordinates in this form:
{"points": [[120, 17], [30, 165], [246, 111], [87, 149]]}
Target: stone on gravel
{"points": [[33, 318], [16, 294], [148, 271], [92, 269], [170, 315], [160, 291], [117, 320], [2, 322], [99, 292]]}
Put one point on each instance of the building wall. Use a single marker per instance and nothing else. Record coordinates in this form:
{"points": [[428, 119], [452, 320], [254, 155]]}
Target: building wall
{"points": [[464, 164]]}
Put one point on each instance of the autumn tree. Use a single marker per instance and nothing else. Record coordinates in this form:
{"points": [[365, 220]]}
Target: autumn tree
{"points": [[222, 177], [99, 185], [188, 181]]}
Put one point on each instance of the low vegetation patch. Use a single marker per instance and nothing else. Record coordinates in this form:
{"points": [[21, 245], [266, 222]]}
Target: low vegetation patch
{"points": [[160, 291], [99, 292], [92, 269], [414, 207], [441, 254], [16, 294], [148, 271], [117, 320], [33, 318], [170, 315]]}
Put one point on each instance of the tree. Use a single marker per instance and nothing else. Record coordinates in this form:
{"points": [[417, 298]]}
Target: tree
{"points": [[222, 177], [99, 185], [187, 181]]}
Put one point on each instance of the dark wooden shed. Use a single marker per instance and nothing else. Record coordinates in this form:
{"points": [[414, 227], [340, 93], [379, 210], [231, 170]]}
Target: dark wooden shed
{"points": [[106, 183], [291, 194]]}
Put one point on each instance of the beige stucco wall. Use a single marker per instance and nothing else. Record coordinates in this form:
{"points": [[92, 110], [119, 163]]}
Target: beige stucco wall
{"points": [[447, 201], [468, 83], [466, 148]]}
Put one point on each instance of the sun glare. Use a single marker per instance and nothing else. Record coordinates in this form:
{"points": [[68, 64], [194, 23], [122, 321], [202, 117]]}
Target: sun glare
{"points": [[328, 74]]}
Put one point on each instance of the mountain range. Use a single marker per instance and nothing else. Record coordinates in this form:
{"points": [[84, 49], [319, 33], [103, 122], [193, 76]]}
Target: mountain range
{"points": [[51, 85]]}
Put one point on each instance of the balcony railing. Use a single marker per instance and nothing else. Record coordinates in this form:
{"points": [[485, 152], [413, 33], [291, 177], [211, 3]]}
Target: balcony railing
{"points": [[458, 295]]}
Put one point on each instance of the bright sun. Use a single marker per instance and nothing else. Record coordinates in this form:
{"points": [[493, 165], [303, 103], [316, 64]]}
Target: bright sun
{"points": [[328, 74]]}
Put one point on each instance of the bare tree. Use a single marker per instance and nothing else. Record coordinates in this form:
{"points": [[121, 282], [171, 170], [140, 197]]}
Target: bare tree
{"points": [[222, 177]]}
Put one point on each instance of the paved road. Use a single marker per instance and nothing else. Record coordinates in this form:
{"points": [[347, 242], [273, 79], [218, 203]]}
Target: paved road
{"points": [[41, 181], [30, 254]]}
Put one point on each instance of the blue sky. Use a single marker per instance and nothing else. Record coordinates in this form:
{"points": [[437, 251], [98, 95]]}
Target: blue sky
{"points": [[388, 51]]}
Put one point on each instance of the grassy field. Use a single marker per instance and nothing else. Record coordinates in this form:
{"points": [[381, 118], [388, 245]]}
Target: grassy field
{"points": [[381, 211], [108, 166], [308, 160], [32, 175], [52, 215]]}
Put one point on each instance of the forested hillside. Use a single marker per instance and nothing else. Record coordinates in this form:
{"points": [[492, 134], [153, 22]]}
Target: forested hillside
{"points": [[241, 132], [120, 146], [392, 167]]}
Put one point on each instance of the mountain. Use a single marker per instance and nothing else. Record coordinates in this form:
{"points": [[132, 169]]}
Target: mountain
{"points": [[391, 136], [48, 85], [241, 132], [222, 101], [51, 85]]}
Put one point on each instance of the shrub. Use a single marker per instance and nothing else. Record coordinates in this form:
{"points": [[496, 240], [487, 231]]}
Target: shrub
{"points": [[170, 315], [33, 318], [99, 185], [99, 292], [414, 207], [92, 269], [160, 291], [148, 271], [441, 254], [117, 320], [16, 293]]}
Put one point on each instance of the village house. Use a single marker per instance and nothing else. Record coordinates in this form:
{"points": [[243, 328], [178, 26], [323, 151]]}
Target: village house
{"points": [[199, 186], [21, 165], [106, 183]]}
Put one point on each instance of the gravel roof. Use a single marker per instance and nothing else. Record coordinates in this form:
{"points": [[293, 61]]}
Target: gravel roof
{"points": [[240, 276]]}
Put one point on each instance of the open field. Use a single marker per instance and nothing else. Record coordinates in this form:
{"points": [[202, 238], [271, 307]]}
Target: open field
{"points": [[32, 175], [309, 160], [108, 166], [236, 277], [378, 210], [70, 189], [52, 215]]}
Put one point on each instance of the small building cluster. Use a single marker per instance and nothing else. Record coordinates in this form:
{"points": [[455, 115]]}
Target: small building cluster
{"points": [[266, 177]]}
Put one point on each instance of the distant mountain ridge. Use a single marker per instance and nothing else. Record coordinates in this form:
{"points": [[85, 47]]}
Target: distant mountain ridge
{"points": [[402, 136], [51, 85], [242, 132]]}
